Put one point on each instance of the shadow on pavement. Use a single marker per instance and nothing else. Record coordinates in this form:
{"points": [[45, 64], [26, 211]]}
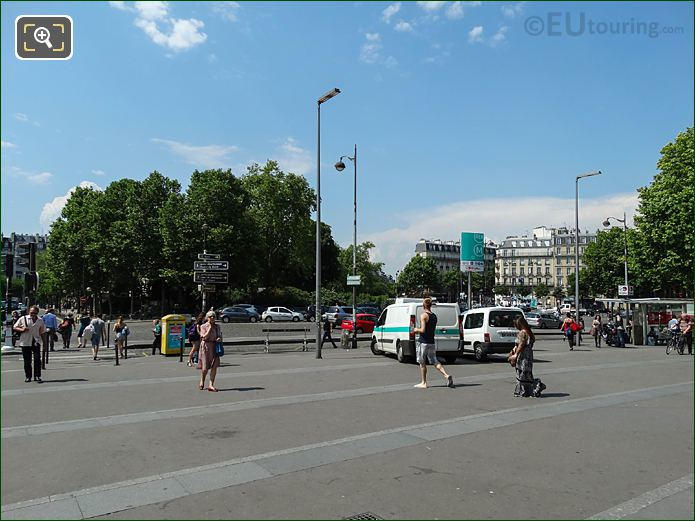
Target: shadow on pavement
{"points": [[243, 389], [66, 380], [554, 395]]}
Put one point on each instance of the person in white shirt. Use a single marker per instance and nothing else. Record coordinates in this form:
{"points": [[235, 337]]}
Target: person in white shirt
{"points": [[32, 334]]}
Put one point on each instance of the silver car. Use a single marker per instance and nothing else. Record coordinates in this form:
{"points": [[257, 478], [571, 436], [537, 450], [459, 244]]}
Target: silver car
{"points": [[279, 313], [543, 321]]}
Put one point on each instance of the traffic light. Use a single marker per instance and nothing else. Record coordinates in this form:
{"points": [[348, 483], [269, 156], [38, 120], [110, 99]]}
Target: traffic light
{"points": [[31, 282], [27, 255], [9, 265]]}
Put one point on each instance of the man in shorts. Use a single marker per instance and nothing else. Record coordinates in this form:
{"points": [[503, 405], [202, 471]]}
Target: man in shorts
{"points": [[425, 349], [99, 332]]}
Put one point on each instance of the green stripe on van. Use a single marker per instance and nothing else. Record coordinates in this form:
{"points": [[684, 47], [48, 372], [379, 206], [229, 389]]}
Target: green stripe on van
{"points": [[453, 331]]}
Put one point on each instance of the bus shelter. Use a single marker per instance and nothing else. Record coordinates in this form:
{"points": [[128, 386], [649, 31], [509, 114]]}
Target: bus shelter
{"points": [[650, 313]]}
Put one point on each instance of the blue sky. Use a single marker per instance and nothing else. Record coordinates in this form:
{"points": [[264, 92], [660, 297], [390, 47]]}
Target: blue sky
{"points": [[464, 121]]}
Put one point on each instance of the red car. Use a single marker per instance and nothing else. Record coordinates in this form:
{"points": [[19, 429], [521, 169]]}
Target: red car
{"points": [[365, 323]]}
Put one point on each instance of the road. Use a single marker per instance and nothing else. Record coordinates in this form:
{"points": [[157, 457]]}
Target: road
{"points": [[290, 436]]}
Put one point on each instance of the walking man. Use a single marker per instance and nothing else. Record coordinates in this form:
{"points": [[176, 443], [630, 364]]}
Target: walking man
{"points": [[31, 331], [426, 348], [51, 323], [99, 332], [327, 333]]}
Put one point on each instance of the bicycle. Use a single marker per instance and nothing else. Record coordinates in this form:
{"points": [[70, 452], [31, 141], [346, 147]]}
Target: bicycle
{"points": [[675, 342]]}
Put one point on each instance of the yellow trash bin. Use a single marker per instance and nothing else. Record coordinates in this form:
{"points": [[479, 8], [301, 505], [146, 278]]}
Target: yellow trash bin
{"points": [[173, 334]]}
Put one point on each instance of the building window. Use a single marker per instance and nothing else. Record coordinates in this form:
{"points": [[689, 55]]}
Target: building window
{"points": [[521, 270], [513, 271], [547, 270], [559, 281], [559, 251], [559, 271], [506, 271], [567, 250], [569, 271]]}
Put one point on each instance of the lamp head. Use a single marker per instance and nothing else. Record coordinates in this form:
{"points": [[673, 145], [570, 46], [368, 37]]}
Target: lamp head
{"points": [[340, 166], [606, 223]]}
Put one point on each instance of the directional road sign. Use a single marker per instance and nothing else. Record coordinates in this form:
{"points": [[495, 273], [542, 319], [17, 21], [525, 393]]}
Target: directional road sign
{"points": [[210, 277], [209, 256], [213, 265], [353, 280]]}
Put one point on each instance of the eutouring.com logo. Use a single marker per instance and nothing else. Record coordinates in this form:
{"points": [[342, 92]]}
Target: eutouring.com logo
{"points": [[579, 24]]}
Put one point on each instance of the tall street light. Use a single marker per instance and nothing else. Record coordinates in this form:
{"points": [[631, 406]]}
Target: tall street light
{"points": [[576, 238], [340, 166], [607, 223], [321, 100]]}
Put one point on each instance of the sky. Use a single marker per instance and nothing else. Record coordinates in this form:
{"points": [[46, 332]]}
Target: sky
{"points": [[468, 116]]}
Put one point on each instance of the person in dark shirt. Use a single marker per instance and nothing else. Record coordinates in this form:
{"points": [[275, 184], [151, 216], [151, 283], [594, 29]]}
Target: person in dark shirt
{"points": [[426, 348], [327, 334]]}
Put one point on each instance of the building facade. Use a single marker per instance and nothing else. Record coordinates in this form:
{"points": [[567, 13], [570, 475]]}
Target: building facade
{"points": [[10, 244], [546, 257]]}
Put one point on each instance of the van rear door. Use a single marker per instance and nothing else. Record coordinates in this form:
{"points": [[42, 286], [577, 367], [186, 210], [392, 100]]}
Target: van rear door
{"points": [[446, 335], [501, 324]]}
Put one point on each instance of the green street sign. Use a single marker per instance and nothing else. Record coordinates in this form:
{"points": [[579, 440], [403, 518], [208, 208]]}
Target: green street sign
{"points": [[472, 251]]}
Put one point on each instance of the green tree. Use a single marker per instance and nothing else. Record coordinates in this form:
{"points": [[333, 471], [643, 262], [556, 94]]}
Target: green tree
{"points": [[419, 276], [558, 293], [450, 284], [541, 290], [373, 279], [663, 246], [280, 207], [604, 260]]}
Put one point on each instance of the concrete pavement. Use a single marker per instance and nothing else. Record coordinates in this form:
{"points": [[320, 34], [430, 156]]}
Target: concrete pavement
{"points": [[290, 436]]}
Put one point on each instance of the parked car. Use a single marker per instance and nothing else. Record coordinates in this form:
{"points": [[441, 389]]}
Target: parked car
{"points": [[238, 314], [370, 310], [279, 313], [302, 311], [543, 320], [253, 307], [365, 323], [489, 330], [311, 313], [336, 314], [394, 333]]}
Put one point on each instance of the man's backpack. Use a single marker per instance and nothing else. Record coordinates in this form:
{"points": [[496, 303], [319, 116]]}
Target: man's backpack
{"points": [[192, 332]]}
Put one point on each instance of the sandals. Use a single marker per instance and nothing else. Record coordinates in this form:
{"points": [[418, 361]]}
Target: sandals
{"points": [[213, 390], [201, 386]]}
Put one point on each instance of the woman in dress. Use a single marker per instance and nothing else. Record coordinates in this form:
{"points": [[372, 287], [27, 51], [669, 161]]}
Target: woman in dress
{"points": [[521, 357], [208, 360], [596, 328], [194, 337]]}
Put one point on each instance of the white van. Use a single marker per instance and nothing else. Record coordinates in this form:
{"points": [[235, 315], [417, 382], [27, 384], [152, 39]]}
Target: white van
{"points": [[489, 330], [393, 332]]}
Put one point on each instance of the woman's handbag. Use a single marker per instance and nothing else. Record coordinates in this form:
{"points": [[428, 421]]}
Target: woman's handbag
{"points": [[219, 349]]}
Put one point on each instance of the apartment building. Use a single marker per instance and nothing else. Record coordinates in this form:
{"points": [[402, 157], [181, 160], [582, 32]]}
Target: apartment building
{"points": [[546, 256]]}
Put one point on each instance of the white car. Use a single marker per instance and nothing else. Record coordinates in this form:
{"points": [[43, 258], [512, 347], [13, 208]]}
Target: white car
{"points": [[489, 330], [280, 313]]}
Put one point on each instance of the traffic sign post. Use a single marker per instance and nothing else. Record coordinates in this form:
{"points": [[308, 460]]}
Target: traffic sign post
{"points": [[210, 277], [353, 280], [211, 265], [209, 256], [625, 291]]}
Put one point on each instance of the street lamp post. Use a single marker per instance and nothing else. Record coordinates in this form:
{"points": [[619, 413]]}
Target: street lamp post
{"points": [[340, 166], [321, 100], [576, 238], [607, 223]]}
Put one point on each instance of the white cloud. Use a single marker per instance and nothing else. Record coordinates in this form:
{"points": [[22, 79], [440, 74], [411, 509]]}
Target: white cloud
{"points": [[227, 10], [390, 11], [98, 172], [472, 4], [7, 144], [51, 211], [403, 26], [476, 34], [21, 117], [512, 10], [431, 6], [40, 179], [455, 11], [370, 50], [391, 62], [176, 34], [295, 159], [496, 218], [499, 37], [204, 156]]}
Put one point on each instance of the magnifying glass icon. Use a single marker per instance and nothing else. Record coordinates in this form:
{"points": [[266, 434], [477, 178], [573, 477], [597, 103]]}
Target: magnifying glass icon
{"points": [[42, 35]]}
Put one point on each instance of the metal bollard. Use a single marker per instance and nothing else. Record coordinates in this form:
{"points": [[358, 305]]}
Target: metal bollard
{"points": [[108, 334], [304, 346], [44, 351], [267, 341], [126, 348], [115, 348]]}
